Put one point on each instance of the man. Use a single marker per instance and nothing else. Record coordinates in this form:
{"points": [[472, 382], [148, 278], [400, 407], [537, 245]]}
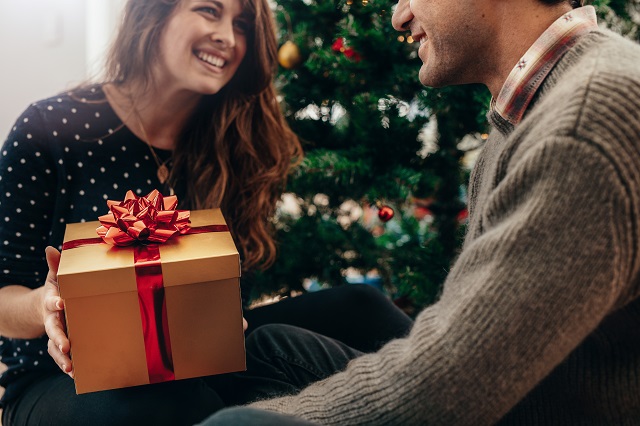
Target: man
{"points": [[539, 320]]}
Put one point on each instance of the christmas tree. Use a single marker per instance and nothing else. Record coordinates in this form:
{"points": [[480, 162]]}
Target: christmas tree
{"points": [[377, 143], [351, 92], [622, 16]]}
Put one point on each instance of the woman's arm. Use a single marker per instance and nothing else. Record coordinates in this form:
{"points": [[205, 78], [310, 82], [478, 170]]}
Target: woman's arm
{"points": [[28, 314], [30, 306], [21, 312]]}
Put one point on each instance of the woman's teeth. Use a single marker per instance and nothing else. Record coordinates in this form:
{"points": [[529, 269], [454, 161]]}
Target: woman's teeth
{"points": [[210, 59]]}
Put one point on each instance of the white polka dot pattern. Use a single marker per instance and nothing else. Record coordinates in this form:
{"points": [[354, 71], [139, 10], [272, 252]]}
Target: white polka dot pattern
{"points": [[59, 164]]}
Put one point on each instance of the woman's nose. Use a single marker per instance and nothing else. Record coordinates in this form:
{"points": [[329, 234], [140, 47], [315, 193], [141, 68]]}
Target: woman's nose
{"points": [[224, 35]]}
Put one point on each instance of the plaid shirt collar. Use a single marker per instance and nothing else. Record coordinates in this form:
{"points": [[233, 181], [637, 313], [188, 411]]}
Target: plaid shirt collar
{"points": [[531, 70]]}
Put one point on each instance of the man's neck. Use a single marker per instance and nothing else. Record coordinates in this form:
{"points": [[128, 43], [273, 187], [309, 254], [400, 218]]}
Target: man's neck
{"points": [[520, 25]]}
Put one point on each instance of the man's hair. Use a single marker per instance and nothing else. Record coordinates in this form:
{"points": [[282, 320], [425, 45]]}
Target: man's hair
{"points": [[574, 3]]}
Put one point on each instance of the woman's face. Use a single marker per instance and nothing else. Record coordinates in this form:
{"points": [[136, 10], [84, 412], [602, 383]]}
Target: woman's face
{"points": [[202, 46]]}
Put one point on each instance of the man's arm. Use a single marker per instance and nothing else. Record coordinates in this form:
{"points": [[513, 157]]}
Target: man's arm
{"points": [[556, 253]]}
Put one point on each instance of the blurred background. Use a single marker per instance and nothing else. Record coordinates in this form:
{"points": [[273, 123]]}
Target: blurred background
{"points": [[380, 198], [47, 46]]}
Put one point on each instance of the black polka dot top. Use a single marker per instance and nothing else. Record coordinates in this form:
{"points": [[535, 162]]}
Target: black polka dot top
{"points": [[62, 160]]}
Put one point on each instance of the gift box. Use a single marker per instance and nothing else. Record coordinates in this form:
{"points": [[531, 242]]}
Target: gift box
{"points": [[148, 312]]}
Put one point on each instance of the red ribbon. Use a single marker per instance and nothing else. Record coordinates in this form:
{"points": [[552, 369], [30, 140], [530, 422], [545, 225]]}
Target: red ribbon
{"points": [[148, 221], [153, 311]]}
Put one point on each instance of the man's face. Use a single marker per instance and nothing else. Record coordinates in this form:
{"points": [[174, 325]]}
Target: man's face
{"points": [[455, 36]]}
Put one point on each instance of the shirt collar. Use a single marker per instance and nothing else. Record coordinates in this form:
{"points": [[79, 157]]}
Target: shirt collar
{"points": [[530, 71]]}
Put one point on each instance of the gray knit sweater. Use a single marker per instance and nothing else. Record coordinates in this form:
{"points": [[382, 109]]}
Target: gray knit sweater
{"points": [[539, 320]]}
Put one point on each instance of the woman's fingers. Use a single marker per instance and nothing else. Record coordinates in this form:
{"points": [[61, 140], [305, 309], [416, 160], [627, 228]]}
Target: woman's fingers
{"points": [[52, 302], [53, 311], [53, 261], [58, 345], [60, 358], [55, 331]]}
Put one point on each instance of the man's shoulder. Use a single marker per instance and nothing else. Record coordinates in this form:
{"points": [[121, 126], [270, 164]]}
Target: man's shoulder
{"points": [[616, 54], [604, 73], [592, 94], [612, 79]]}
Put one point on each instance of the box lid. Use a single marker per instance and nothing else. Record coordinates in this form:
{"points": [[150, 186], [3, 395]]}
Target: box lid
{"points": [[102, 269]]}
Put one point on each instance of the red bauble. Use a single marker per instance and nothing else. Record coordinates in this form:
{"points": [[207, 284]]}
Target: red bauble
{"points": [[385, 213], [338, 45]]}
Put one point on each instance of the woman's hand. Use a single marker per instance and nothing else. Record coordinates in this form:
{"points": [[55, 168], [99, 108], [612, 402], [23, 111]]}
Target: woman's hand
{"points": [[53, 315]]}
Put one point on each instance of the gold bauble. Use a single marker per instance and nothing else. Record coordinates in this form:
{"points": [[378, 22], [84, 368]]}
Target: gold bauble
{"points": [[289, 55]]}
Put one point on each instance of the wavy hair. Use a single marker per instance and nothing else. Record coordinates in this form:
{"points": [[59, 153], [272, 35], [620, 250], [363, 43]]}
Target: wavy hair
{"points": [[237, 149]]}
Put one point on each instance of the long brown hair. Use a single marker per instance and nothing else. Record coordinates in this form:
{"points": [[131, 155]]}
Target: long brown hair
{"points": [[237, 150]]}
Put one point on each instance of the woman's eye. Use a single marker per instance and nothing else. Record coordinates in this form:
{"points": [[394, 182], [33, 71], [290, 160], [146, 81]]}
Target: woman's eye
{"points": [[210, 11], [242, 26]]}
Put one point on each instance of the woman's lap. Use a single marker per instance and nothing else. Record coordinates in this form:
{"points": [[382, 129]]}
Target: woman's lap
{"points": [[281, 359], [355, 316], [53, 401]]}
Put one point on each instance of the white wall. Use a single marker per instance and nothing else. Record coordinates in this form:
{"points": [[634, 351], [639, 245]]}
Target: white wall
{"points": [[48, 46]]}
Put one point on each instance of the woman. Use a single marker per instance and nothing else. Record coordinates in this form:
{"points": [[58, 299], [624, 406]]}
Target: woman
{"points": [[187, 106]]}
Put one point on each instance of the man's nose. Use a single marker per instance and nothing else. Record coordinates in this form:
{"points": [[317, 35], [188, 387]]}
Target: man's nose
{"points": [[402, 16]]}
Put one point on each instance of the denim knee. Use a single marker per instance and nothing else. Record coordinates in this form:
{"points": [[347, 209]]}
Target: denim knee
{"points": [[362, 295], [269, 336], [239, 416]]}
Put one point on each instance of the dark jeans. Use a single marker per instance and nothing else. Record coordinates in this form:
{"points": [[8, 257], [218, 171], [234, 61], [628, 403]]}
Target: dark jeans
{"points": [[358, 315], [53, 401], [284, 360], [253, 417], [280, 360]]}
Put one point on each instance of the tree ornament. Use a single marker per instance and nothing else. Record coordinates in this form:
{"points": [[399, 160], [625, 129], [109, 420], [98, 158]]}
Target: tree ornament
{"points": [[289, 55], [385, 213], [340, 45]]}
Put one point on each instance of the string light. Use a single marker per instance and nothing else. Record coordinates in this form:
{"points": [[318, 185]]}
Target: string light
{"points": [[365, 2], [400, 39], [409, 39]]}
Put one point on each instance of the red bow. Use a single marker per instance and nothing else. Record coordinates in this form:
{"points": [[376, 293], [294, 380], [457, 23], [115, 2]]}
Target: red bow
{"points": [[149, 219]]}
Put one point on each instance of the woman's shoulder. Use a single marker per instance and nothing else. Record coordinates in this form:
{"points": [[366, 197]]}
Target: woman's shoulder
{"points": [[80, 113], [75, 100]]}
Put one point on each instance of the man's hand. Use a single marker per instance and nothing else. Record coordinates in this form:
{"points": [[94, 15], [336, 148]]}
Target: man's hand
{"points": [[53, 315]]}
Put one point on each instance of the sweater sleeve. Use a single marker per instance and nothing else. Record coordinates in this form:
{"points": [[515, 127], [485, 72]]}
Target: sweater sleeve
{"points": [[556, 255]]}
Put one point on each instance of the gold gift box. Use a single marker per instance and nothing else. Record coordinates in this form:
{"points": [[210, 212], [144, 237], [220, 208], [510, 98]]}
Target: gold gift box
{"points": [[203, 306]]}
